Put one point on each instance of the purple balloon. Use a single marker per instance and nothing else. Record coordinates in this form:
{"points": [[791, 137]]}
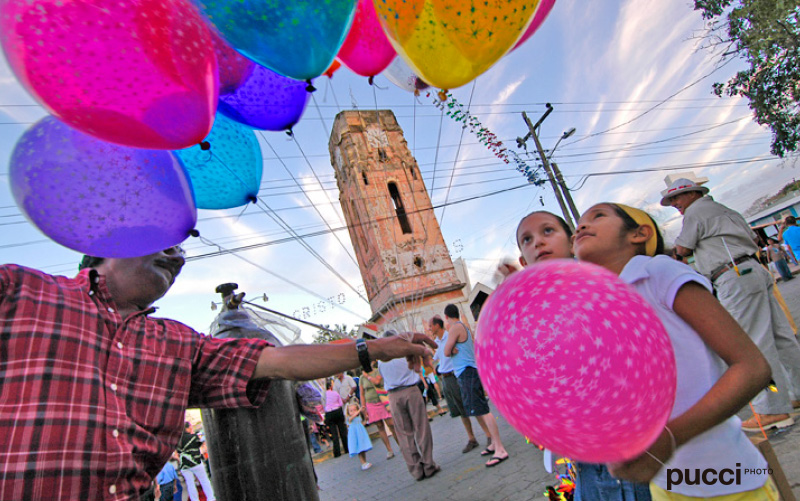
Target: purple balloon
{"points": [[266, 101], [99, 198]]}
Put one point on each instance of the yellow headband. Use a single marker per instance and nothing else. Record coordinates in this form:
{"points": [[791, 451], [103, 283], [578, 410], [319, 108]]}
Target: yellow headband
{"points": [[643, 219]]}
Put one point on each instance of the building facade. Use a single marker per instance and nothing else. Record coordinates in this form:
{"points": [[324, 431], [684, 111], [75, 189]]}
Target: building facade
{"points": [[406, 267]]}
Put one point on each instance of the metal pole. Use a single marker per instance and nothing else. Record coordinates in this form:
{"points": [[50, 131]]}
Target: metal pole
{"points": [[547, 169], [565, 191]]}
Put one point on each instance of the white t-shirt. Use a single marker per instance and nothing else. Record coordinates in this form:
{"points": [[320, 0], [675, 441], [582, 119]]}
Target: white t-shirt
{"points": [[445, 364], [342, 387], [658, 280]]}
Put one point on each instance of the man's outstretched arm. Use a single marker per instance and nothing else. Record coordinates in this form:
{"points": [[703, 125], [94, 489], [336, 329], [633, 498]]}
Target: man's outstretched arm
{"points": [[304, 362]]}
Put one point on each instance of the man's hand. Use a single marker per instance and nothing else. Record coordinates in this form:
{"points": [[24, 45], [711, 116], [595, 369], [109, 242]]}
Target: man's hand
{"points": [[411, 345]]}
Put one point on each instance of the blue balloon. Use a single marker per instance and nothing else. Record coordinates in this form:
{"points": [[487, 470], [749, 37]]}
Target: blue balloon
{"points": [[266, 101], [296, 38], [99, 198], [225, 169]]}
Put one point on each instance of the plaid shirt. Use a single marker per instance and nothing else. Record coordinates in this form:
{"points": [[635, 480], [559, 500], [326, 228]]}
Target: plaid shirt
{"points": [[91, 404]]}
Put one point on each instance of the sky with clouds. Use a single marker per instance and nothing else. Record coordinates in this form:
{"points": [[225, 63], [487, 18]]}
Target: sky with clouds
{"points": [[631, 76]]}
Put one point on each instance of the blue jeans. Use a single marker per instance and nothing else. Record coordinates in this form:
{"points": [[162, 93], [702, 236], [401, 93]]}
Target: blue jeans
{"points": [[314, 444], [783, 269], [595, 483]]}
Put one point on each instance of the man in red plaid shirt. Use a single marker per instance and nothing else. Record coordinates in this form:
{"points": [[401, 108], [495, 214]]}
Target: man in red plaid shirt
{"points": [[93, 390]]}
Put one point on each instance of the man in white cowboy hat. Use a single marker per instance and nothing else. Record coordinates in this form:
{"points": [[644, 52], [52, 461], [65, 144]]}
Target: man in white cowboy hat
{"points": [[724, 250]]}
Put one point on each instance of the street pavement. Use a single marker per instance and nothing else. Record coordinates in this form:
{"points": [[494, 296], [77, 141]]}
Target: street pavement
{"points": [[464, 476]]}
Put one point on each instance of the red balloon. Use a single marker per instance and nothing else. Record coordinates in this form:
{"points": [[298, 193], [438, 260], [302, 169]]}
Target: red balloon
{"points": [[139, 73], [366, 50]]}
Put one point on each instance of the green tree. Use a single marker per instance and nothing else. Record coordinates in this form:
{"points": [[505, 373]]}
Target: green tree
{"points": [[340, 332], [765, 33]]}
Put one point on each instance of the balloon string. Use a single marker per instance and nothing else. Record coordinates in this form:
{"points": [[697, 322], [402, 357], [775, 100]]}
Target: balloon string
{"points": [[281, 222], [235, 174], [758, 420], [223, 250], [458, 152]]}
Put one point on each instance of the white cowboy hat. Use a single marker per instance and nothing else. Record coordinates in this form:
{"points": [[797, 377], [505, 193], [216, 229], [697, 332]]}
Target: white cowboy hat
{"points": [[679, 186]]}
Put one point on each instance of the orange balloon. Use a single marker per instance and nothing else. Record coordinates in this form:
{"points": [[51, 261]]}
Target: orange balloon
{"points": [[335, 65]]}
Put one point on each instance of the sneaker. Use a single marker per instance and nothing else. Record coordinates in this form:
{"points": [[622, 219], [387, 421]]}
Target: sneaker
{"points": [[366, 466], [470, 445], [768, 421], [389, 455]]}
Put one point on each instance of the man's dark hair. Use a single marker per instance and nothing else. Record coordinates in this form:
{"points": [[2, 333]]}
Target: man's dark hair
{"points": [[89, 262], [791, 220], [438, 321], [451, 311], [186, 425]]}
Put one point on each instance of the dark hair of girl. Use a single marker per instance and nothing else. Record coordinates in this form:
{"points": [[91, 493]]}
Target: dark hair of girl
{"points": [[630, 224], [560, 220]]}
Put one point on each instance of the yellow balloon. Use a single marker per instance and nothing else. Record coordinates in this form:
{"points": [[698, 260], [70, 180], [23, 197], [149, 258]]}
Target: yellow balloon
{"points": [[448, 43]]}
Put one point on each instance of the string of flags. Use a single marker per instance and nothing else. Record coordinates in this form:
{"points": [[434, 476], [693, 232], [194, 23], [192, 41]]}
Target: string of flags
{"points": [[445, 101]]}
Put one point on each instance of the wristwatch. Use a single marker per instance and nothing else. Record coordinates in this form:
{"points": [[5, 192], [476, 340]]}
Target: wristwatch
{"points": [[363, 354]]}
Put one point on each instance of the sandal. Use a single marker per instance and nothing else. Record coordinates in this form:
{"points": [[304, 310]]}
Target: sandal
{"points": [[487, 452]]}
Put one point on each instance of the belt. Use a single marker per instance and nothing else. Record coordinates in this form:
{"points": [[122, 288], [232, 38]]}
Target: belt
{"points": [[402, 388], [719, 270], [447, 374]]}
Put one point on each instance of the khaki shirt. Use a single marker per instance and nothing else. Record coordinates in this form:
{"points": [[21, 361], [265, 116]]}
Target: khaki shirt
{"points": [[705, 224]]}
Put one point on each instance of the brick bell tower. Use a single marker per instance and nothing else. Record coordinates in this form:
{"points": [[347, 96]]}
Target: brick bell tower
{"points": [[404, 262]]}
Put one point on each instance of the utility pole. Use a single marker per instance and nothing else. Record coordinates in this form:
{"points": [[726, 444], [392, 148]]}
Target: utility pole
{"points": [[565, 190], [532, 133]]}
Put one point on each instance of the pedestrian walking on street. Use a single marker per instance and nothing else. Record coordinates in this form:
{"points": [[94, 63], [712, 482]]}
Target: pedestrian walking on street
{"points": [[335, 420], [375, 409], [410, 418]]}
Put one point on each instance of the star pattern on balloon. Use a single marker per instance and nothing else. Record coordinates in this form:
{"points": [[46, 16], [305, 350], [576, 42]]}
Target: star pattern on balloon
{"points": [[564, 339]]}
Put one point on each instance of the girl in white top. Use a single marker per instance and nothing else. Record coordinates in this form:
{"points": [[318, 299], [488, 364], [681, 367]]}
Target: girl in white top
{"points": [[702, 451]]}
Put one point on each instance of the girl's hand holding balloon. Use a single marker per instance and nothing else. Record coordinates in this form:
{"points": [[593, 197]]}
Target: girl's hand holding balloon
{"points": [[644, 467]]}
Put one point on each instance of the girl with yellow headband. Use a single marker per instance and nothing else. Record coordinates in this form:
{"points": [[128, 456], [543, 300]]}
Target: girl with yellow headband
{"points": [[702, 451]]}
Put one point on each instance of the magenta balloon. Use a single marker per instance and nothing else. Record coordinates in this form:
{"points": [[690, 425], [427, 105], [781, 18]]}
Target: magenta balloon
{"points": [[545, 6], [366, 50], [399, 73], [99, 198], [139, 73], [234, 68], [577, 361]]}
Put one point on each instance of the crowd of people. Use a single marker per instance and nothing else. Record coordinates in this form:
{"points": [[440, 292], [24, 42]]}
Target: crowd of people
{"points": [[82, 357]]}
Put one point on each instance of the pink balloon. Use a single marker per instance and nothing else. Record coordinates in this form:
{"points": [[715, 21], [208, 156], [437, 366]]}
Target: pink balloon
{"points": [[234, 68], [366, 50], [545, 6], [139, 73], [577, 361]]}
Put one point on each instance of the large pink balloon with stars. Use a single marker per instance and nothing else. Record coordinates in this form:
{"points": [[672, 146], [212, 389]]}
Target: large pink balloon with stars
{"points": [[577, 361]]}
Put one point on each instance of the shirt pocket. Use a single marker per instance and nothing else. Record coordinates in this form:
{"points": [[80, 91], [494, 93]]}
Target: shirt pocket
{"points": [[159, 390]]}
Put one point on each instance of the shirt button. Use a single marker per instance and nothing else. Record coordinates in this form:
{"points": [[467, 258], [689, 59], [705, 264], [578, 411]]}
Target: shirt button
{"points": [[91, 293], [113, 387], [112, 489], [115, 433], [111, 310], [119, 345]]}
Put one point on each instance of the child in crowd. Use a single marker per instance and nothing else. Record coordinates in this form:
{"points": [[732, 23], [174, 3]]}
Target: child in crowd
{"points": [[719, 369], [358, 441], [779, 258], [542, 236]]}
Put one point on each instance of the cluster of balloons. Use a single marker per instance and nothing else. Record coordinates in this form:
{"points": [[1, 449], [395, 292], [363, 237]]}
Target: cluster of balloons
{"points": [[160, 75], [577, 361]]}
